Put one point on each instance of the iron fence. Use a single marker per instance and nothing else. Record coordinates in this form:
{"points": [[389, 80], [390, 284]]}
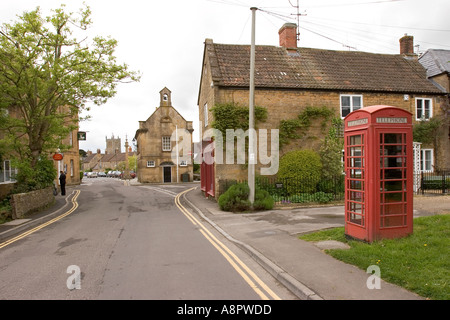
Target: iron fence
{"points": [[296, 190], [437, 182]]}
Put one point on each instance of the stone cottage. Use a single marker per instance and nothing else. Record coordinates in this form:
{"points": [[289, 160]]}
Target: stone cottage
{"points": [[288, 79]]}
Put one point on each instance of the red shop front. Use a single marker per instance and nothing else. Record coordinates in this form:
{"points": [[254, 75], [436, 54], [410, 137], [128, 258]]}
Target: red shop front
{"points": [[379, 173]]}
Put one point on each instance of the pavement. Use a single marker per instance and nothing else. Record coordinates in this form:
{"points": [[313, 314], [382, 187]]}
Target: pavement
{"points": [[271, 239]]}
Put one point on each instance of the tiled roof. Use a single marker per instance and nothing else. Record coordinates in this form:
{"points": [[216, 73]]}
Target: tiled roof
{"points": [[436, 61], [307, 68]]}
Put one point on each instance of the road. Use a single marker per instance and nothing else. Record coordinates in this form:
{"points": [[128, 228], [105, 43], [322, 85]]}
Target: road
{"points": [[131, 242]]}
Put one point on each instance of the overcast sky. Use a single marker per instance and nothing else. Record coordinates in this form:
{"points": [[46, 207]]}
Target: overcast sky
{"points": [[164, 41]]}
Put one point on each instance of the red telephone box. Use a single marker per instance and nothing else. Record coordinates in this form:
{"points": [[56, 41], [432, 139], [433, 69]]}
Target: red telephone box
{"points": [[378, 173]]}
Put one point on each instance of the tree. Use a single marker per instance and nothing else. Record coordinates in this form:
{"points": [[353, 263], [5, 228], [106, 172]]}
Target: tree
{"points": [[47, 77]]}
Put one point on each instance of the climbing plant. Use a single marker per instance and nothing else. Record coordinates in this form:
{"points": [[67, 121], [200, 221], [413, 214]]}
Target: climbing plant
{"points": [[425, 131], [234, 116], [298, 127]]}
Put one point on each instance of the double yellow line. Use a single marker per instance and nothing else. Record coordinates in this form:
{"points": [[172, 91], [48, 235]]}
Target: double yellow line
{"points": [[248, 275], [27, 233]]}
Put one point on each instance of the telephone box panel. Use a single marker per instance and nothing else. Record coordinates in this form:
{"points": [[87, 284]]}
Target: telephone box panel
{"points": [[379, 173]]}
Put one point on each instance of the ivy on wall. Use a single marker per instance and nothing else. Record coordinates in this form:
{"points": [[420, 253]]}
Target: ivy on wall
{"points": [[297, 128], [425, 131], [234, 116]]}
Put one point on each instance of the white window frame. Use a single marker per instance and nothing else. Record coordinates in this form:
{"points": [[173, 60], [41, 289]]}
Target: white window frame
{"points": [[166, 143], [8, 172], [150, 163], [183, 163], [352, 108], [423, 160], [430, 115], [205, 114]]}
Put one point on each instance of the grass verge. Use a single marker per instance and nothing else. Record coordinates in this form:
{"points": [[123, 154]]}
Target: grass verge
{"points": [[419, 262]]}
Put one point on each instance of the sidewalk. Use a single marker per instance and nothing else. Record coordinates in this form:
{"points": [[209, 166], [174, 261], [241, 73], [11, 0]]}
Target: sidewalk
{"points": [[270, 237], [15, 227]]}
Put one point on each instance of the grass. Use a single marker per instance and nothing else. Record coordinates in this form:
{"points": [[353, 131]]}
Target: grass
{"points": [[419, 262]]}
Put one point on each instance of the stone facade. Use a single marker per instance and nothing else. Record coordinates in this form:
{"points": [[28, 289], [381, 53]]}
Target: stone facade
{"points": [[26, 203], [156, 145], [285, 87]]}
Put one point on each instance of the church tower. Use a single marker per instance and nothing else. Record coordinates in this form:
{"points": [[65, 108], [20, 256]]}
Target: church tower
{"points": [[113, 145]]}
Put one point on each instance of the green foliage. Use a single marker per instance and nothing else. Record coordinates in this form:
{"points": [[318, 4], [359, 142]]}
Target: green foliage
{"points": [[331, 151], [425, 131], [233, 116], [47, 76], [34, 178], [297, 128], [263, 200], [303, 168], [235, 199]]}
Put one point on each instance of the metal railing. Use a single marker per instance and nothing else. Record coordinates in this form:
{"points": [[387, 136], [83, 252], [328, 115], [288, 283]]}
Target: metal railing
{"points": [[437, 182]]}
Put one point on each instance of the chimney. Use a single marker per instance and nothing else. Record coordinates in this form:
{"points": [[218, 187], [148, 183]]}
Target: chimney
{"points": [[98, 151], [288, 36], [407, 45]]}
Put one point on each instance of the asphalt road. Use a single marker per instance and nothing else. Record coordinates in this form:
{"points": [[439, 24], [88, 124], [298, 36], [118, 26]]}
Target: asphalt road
{"points": [[131, 242]]}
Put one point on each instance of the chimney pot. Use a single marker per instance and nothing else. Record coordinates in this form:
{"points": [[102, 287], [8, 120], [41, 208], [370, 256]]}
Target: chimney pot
{"points": [[288, 36]]}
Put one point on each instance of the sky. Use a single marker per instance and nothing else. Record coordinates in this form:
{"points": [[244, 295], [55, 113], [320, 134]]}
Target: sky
{"points": [[164, 41]]}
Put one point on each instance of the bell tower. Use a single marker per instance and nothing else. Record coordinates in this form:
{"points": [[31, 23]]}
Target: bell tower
{"points": [[165, 98]]}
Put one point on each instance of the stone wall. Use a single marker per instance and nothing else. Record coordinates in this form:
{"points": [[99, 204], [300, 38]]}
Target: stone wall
{"points": [[27, 203], [5, 189]]}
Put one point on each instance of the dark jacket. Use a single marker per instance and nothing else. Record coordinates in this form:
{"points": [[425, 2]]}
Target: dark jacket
{"points": [[62, 178]]}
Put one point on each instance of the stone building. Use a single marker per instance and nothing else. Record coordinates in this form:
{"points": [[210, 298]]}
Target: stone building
{"points": [[159, 157], [289, 78], [113, 145], [70, 163]]}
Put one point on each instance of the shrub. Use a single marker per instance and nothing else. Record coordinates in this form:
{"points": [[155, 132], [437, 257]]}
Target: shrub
{"points": [[302, 169], [235, 199], [39, 177], [263, 200]]}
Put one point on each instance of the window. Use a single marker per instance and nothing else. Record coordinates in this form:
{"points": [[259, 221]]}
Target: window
{"points": [[426, 160], [150, 164], [350, 103], [71, 167], [7, 173], [166, 144], [183, 163], [205, 114], [424, 109]]}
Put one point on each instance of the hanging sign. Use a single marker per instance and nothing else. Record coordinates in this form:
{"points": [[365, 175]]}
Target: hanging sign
{"points": [[57, 156]]}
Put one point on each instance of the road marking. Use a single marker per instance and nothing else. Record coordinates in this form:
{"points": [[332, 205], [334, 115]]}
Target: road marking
{"points": [[27, 233], [235, 262]]}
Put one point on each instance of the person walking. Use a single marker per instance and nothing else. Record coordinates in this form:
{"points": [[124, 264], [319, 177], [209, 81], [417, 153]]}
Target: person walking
{"points": [[62, 183]]}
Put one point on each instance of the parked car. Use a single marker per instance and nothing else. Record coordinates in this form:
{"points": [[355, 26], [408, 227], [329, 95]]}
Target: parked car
{"points": [[92, 175], [101, 174]]}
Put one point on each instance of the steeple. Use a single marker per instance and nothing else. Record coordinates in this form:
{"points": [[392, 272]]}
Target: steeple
{"points": [[165, 98]]}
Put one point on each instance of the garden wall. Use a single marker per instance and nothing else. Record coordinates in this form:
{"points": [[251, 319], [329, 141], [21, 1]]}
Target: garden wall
{"points": [[27, 203]]}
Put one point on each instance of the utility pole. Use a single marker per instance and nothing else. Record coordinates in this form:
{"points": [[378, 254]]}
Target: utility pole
{"points": [[251, 122]]}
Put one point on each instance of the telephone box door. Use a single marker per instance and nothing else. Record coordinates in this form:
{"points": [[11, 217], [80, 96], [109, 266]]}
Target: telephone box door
{"points": [[355, 180]]}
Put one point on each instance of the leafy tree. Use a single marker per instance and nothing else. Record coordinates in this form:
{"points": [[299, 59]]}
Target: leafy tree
{"points": [[47, 77]]}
